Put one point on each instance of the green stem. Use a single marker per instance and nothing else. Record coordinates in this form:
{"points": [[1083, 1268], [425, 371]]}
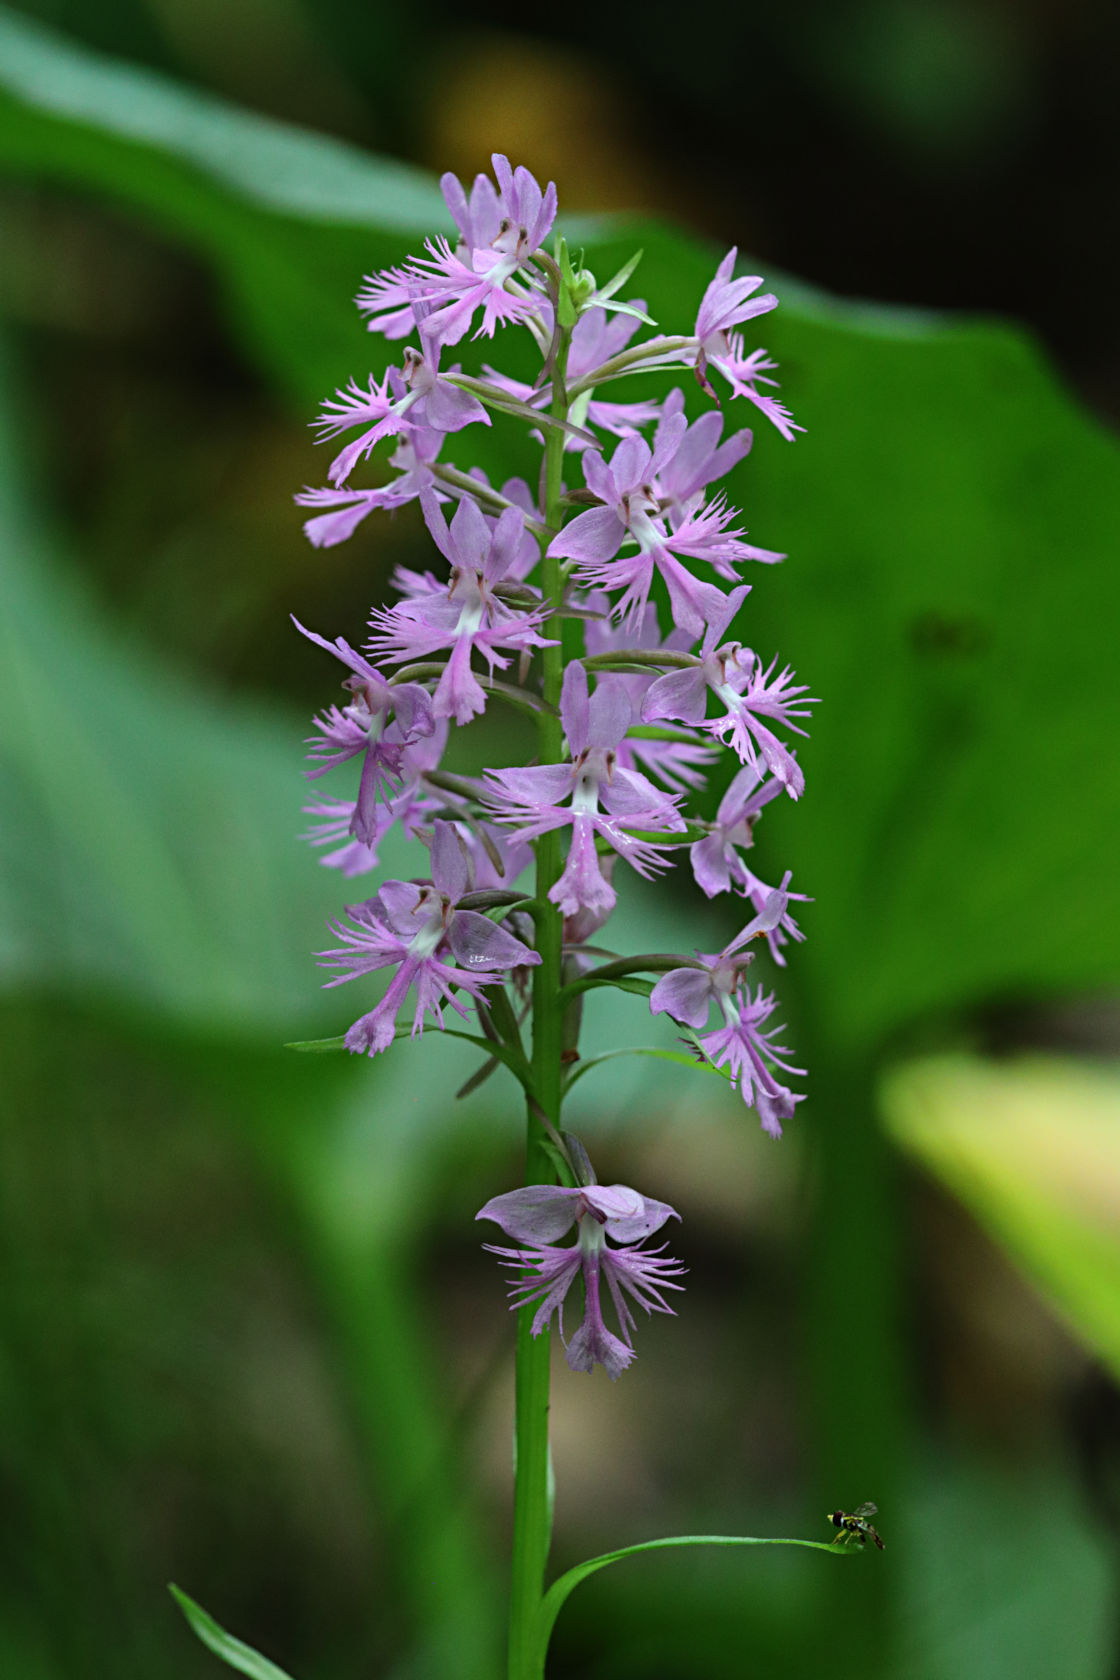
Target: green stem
{"points": [[532, 1517]]}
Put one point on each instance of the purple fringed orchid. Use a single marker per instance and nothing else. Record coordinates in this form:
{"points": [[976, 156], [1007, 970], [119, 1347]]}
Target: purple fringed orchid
{"points": [[411, 806], [414, 398], [745, 374], [499, 233], [380, 722], [437, 947], [741, 1044], [676, 764], [604, 797], [464, 614], [716, 861], [726, 303], [698, 459], [540, 1214], [747, 692], [412, 458], [631, 508]]}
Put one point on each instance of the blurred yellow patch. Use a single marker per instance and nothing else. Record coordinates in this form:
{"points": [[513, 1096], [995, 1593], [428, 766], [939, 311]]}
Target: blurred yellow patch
{"points": [[1032, 1148]]}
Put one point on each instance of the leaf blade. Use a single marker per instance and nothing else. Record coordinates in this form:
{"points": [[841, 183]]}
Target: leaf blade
{"points": [[231, 1650]]}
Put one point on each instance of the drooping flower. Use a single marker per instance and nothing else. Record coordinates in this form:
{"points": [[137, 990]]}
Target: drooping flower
{"points": [[747, 692], [540, 1214], [740, 1044], [437, 948], [381, 720], [465, 614], [605, 799]]}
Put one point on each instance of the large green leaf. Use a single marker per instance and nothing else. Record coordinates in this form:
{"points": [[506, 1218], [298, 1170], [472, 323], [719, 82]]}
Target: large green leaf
{"points": [[149, 831]]}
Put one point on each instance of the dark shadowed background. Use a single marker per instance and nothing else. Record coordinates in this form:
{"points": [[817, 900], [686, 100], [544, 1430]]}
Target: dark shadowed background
{"points": [[248, 1339]]}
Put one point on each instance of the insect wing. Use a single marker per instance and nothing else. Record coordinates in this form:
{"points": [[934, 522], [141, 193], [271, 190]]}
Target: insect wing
{"points": [[868, 1510]]}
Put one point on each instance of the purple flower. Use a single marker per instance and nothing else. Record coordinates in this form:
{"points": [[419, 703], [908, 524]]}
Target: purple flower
{"points": [[465, 614], [413, 459], [380, 722], [531, 797], [745, 375], [435, 946], [415, 398], [410, 806], [540, 1214], [698, 459], [499, 233], [676, 764], [514, 221], [631, 508], [716, 861], [748, 693], [727, 303], [741, 1044]]}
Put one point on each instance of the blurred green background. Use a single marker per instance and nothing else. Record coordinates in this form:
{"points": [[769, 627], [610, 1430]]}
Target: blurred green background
{"points": [[248, 1339]]}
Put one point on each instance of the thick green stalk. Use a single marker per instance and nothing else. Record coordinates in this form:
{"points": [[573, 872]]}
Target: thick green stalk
{"points": [[532, 1517]]}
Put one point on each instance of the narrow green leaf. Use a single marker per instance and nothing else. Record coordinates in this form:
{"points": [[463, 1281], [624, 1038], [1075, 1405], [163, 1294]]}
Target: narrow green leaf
{"points": [[698, 1063], [622, 982], [560, 1590], [479, 1077], [516, 1064], [232, 1651], [504, 910], [622, 970], [685, 836], [504, 1019], [628, 309], [619, 280]]}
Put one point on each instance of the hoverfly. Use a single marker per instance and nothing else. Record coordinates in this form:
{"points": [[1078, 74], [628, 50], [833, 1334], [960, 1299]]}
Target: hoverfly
{"points": [[854, 1526]]}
